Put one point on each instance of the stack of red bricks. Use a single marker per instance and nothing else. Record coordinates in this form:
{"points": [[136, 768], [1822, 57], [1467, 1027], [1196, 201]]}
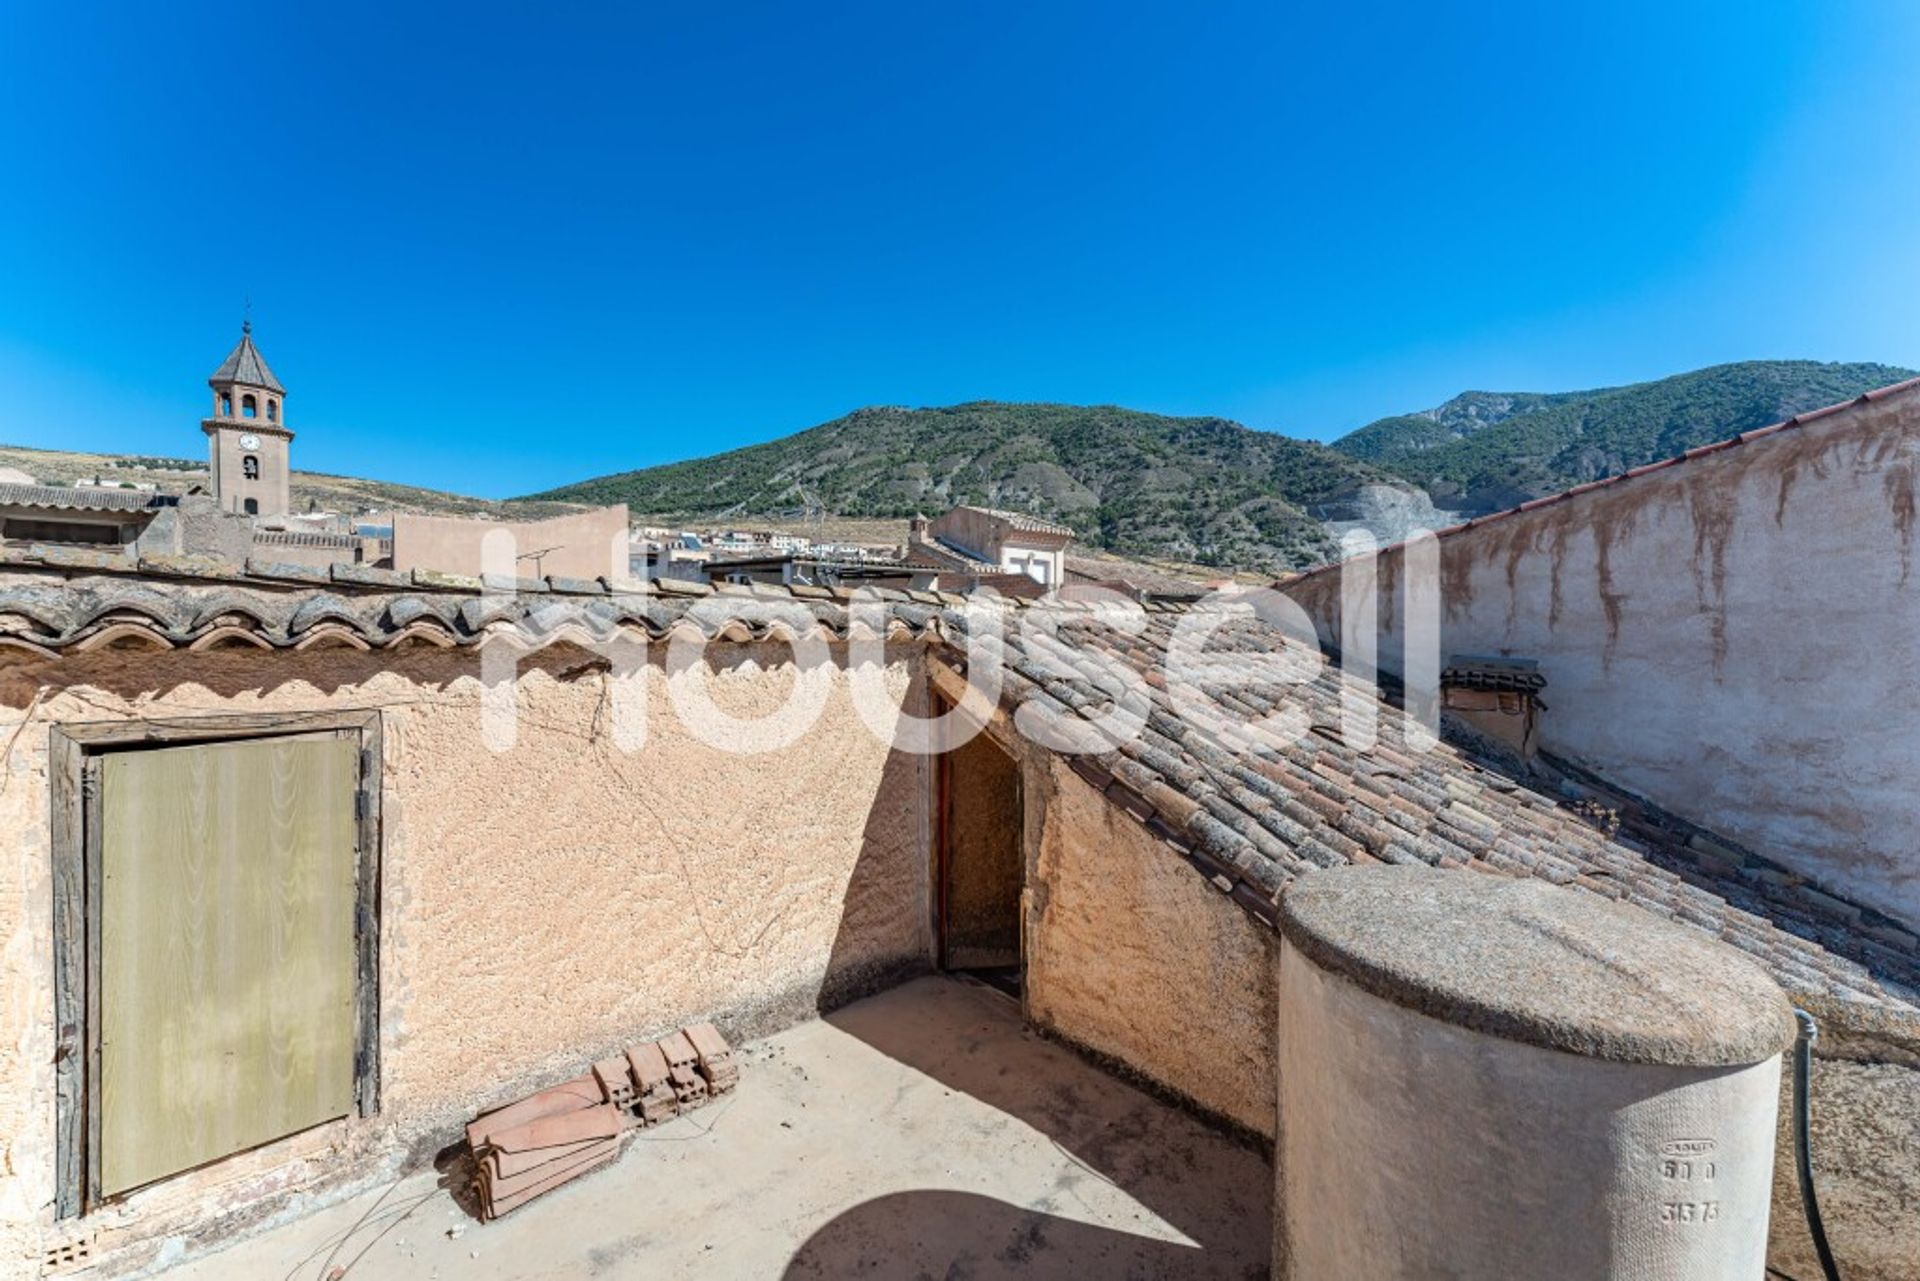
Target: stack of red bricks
{"points": [[551, 1138]]}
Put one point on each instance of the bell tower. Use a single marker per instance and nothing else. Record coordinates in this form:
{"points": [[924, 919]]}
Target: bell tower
{"points": [[248, 433]]}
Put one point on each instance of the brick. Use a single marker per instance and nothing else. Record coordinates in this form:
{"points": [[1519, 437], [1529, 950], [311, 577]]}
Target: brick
{"points": [[717, 1063], [678, 1050], [689, 1087], [616, 1081], [653, 1084]]}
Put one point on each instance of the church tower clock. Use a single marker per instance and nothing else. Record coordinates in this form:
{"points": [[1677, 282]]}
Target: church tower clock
{"points": [[248, 433]]}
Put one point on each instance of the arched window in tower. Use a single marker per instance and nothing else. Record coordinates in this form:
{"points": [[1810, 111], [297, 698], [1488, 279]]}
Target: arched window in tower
{"points": [[226, 404], [273, 410], [248, 407], [250, 467], [251, 506]]}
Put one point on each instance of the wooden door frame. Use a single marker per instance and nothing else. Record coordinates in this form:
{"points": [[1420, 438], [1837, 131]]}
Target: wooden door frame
{"points": [[942, 833], [76, 913]]}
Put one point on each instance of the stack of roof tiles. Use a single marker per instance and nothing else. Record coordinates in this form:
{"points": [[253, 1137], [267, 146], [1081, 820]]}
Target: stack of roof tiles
{"points": [[549, 1139]]}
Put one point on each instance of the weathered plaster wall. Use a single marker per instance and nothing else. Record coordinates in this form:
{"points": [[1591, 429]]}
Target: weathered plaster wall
{"points": [[539, 906], [1731, 637], [1134, 955]]}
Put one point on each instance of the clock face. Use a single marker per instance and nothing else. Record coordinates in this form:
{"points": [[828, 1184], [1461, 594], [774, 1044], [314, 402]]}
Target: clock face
{"points": [[249, 441]]}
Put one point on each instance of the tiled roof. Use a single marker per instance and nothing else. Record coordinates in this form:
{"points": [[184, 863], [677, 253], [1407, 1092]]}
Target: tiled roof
{"points": [[94, 600], [1023, 522], [245, 365], [1249, 809], [302, 538], [89, 498], [1252, 811], [1633, 473], [937, 553]]}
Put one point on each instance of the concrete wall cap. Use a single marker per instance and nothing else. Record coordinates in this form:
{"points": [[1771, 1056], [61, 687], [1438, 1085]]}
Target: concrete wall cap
{"points": [[1540, 964]]}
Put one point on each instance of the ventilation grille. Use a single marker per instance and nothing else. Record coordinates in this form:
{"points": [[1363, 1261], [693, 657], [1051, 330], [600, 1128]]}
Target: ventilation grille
{"points": [[70, 1255]]}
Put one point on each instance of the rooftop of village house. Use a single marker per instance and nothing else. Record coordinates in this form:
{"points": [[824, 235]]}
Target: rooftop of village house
{"points": [[1249, 812], [1247, 809]]}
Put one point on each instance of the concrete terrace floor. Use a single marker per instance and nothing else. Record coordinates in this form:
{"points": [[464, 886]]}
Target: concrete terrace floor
{"points": [[923, 1132]]}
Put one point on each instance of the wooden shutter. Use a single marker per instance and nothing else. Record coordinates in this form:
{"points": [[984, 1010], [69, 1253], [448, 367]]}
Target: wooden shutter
{"points": [[226, 962]]}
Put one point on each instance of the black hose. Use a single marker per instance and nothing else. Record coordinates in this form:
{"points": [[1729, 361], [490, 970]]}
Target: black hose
{"points": [[1802, 1141]]}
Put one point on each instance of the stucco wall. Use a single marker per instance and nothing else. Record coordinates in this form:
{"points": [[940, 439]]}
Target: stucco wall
{"points": [[590, 544], [1134, 955], [1731, 637], [539, 906]]}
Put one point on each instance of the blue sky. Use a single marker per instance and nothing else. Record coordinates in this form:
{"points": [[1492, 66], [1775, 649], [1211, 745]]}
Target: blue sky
{"points": [[498, 247]]}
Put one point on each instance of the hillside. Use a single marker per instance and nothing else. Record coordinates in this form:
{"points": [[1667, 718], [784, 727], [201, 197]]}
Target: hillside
{"points": [[1482, 451], [1200, 490], [310, 491]]}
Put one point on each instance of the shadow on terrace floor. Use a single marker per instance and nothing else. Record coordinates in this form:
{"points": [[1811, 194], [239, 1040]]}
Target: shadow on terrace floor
{"points": [[1207, 1186]]}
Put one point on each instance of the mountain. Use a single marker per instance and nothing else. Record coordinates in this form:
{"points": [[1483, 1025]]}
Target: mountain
{"points": [[1203, 490], [1482, 451]]}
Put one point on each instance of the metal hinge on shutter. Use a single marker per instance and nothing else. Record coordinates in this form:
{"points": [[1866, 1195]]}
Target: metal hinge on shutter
{"points": [[362, 803]]}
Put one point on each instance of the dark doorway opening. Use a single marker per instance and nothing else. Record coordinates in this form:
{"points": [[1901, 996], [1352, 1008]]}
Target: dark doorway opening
{"points": [[982, 864]]}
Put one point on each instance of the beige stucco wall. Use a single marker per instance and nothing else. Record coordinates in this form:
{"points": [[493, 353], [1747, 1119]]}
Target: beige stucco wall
{"points": [[1133, 954], [590, 544], [539, 906], [1731, 637]]}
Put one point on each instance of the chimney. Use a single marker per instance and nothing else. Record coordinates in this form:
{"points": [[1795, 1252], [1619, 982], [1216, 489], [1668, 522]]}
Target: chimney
{"points": [[1497, 695]]}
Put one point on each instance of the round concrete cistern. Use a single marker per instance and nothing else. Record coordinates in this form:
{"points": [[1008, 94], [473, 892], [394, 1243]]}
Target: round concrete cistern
{"points": [[1487, 1077]]}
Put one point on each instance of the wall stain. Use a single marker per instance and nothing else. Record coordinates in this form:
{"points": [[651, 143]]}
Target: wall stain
{"points": [[1556, 558], [1611, 523], [1520, 543], [1710, 503], [1389, 579], [1456, 573], [1900, 500], [1802, 450]]}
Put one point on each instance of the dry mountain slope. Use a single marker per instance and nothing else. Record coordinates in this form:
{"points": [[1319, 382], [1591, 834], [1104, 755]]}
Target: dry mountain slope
{"points": [[1482, 451], [1202, 490]]}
